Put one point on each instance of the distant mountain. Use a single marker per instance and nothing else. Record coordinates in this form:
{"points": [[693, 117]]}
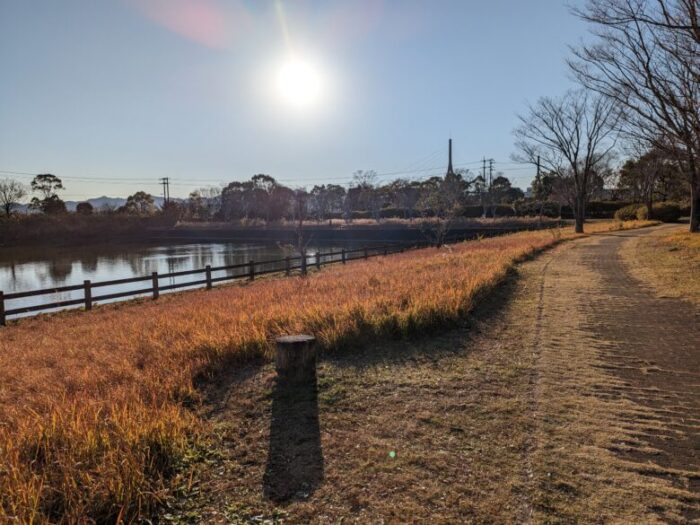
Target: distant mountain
{"points": [[98, 203]]}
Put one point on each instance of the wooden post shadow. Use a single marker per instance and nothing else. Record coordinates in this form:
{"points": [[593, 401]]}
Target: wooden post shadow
{"points": [[295, 459]]}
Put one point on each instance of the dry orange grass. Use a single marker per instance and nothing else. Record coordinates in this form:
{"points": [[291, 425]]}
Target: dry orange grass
{"points": [[93, 406]]}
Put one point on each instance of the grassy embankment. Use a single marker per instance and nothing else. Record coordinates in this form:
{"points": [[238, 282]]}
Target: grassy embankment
{"points": [[75, 229], [667, 259], [94, 406]]}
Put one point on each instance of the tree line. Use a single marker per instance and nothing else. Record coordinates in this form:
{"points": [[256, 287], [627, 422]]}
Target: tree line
{"points": [[647, 178], [264, 198]]}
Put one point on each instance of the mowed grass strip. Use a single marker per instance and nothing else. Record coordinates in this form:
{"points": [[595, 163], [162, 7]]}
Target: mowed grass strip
{"points": [[668, 259], [94, 407]]}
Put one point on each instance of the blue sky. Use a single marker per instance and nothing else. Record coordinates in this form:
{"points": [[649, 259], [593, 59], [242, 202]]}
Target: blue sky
{"points": [[113, 94]]}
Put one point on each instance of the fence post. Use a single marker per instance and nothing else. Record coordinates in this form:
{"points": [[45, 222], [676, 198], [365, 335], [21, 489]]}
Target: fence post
{"points": [[208, 273], [342, 255], [366, 255], [88, 294], [2, 308], [251, 270], [318, 261], [156, 291], [303, 264], [287, 266]]}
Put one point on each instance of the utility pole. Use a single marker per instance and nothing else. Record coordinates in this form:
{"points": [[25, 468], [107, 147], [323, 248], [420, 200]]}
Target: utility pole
{"points": [[487, 190], [537, 178], [165, 181], [491, 161]]}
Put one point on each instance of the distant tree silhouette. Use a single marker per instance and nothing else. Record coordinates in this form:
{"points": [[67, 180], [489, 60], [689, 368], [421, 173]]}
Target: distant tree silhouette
{"points": [[140, 203], [84, 208], [542, 188], [405, 195], [47, 186], [11, 192], [503, 192], [368, 195], [326, 200]]}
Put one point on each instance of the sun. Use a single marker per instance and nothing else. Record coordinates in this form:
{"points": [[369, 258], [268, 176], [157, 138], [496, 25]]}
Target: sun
{"points": [[299, 83]]}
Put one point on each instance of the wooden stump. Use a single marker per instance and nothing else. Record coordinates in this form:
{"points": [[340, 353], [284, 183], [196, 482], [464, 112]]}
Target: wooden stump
{"points": [[296, 358]]}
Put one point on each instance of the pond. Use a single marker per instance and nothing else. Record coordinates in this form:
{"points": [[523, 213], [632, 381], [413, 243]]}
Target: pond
{"points": [[24, 269]]}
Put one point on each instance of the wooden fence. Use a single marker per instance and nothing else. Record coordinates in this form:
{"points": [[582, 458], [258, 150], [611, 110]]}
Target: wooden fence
{"points": [[152, 285]]}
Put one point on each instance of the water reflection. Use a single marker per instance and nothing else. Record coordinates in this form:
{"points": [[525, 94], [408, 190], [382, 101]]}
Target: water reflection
{"points": [[23, 269]]}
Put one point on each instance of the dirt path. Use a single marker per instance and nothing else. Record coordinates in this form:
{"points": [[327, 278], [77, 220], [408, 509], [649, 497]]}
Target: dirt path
{"points": [[618, 392], [577, 401]]}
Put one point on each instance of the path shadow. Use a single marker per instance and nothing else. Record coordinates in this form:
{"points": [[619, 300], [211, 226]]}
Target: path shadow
{"points": [[295, 458], [217, 382]]}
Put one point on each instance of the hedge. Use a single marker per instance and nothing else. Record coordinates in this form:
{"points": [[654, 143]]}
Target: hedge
{"points": [[661, 211], [628, 213]]}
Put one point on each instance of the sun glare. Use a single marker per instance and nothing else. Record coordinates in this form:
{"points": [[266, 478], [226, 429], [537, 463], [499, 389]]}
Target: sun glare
{"points": [[299, 83]]}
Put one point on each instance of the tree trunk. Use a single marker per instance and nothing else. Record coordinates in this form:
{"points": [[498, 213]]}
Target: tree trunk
{"points": [[579, 214], [695, 204]]}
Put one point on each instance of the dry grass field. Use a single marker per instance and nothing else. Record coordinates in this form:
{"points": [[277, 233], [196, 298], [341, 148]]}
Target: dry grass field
{"points": [[96, 414]]}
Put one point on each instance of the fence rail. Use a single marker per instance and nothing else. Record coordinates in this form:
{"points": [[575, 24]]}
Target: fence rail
{"points": [[248, 270]]}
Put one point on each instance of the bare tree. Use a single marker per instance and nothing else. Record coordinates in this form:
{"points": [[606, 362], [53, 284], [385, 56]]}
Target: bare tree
{"points": [[405, 195], [300, 202], [572, 136], [11, 192], [370, 194], [646, 61], [443, 199]]}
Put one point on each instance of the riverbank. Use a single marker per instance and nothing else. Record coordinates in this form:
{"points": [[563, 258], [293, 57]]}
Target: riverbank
{"points": [[97, 406], [74, 230], [356, 233]]}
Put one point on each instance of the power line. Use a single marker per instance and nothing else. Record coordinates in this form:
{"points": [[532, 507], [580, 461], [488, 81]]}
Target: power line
{"points": [[126, 180], [411, 174]]}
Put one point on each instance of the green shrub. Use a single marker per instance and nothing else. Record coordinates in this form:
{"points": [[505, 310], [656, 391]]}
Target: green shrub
{"points": [[661, 211], [628, 213]]}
